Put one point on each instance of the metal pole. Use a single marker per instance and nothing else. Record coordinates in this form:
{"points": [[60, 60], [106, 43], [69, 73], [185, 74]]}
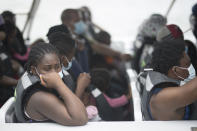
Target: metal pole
{"points": [[187, 30], [21, 13], [169, 8], [31, 15]]}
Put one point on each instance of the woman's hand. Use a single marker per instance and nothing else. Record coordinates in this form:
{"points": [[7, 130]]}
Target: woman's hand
{"points": [[82, 83], [51, 80], [83, 80]]}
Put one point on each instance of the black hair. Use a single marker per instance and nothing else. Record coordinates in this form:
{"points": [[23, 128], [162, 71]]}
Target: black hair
{"points": [[68, 14], [8, 13], [167, 54], [100, 78], [58, 28], [191, 49], [37, 52], [8, 28], [192, 52], [103, 37], [63, 42], [86, 14]]}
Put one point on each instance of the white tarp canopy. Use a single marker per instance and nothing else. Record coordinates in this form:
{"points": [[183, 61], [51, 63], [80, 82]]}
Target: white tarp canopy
{"points": [[121, 18]]}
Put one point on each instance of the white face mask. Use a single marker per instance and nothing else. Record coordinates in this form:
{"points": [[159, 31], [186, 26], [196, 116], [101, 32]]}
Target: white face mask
{"points": [[192, 74], [60, 73], [68, 66]]}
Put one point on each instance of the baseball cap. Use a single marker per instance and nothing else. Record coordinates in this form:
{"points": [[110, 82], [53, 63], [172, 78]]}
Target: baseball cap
{"points": [[170, 32]]}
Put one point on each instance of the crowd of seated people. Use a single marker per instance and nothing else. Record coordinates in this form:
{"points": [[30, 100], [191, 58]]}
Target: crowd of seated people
{"points": [[79, 78], [72, 45]]}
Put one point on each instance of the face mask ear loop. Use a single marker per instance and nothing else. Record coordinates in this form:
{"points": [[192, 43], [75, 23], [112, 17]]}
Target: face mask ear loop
{"points": [[66, 59], [181, 67], [178, 75], [40, 76], [37, 72]]}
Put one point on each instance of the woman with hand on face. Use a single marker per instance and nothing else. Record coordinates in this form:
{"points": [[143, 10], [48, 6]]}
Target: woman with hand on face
{"points": [[42, 96], [67, 48]]}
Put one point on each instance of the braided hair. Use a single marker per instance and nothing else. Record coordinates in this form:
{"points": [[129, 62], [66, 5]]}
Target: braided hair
{"points": [[38, 51]]}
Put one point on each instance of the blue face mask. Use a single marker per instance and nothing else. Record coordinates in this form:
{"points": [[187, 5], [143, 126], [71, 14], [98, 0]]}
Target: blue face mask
{"points": [[68, 66], [80, 27]]}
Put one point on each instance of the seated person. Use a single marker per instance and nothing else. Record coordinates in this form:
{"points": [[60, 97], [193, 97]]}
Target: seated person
{"points": [[7, 84], [119, 78], [76, 68], [42, 96], [71, 18], [171, 88], [98, 60], [96, 76], [10, 70], [107, 107], [12, 44], [8, 77], [9, 17], [67, 47]]}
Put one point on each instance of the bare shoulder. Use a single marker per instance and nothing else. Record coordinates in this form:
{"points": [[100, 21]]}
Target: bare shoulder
{"points": [[43, 99], [164, 98]]}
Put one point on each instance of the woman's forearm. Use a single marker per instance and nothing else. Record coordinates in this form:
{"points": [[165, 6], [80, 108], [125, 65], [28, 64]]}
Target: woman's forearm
{"points": [[75, 107]]}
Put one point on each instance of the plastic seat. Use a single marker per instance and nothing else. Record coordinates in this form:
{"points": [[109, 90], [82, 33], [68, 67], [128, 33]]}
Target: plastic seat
{"points": [[135, 94], [7, 114]]}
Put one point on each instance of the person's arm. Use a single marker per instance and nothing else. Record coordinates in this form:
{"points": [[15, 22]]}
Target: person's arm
{"points": [[70, 111], [2, 35], [173, 98], [129, 95], [82, 83], [8, 81], [106, 50], [17, 67], [116, 102]]}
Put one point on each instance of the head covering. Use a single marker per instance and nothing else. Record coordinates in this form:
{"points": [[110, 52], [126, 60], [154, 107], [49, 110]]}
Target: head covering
{"points": [[8, 16], [152, 25], [8, 13], [170, 32], [194, 10], [58, 28]]}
